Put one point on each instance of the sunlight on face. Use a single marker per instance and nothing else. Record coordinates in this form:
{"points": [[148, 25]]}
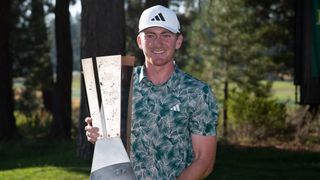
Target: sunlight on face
{"points": [[158, 45]]}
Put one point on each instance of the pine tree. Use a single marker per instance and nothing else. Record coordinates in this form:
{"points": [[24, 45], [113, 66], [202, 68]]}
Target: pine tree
{"points": [[42, 69], [226, 49]]}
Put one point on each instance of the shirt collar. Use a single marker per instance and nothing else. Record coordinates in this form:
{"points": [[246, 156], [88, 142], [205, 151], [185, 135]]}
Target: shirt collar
{"points": [[142, 74], [171, 81]]}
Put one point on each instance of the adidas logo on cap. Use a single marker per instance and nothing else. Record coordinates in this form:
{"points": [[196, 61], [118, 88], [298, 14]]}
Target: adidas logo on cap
{"points": [[159, 16]]}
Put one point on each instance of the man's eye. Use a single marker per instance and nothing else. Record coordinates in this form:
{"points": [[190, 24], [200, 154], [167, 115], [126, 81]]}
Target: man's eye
{"points": [[150, 36], [167, 35]]}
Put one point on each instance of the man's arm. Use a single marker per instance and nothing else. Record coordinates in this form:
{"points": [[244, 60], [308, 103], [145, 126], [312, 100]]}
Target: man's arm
{"points": [[204, 148]]}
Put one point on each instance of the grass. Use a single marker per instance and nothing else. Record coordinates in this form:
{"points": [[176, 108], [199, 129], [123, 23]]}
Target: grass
{"points": [[41, 159], [252, 163], [76, 92], [45, 172], [44, 159], [284, 91]]}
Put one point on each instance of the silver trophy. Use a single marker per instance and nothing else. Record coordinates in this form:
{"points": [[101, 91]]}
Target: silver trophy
{"points": [[107, 82]]}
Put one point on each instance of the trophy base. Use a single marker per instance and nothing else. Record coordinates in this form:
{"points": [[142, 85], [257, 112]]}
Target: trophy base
{"points": [[122, 171], [110, 161]]}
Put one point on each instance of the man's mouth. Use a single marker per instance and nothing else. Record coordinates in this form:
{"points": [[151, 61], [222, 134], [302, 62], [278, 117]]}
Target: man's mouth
{"points": [[158, 51]]}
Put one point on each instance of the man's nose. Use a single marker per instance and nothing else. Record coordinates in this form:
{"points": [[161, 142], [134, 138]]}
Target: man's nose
{"points": [[158, 39]]}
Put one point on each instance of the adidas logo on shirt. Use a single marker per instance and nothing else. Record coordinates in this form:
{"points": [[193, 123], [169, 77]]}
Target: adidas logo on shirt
{"points": [[175, 108], [158, 17]]}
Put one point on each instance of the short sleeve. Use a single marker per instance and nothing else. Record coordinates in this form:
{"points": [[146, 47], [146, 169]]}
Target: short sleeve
{"points": [[204, 116]]}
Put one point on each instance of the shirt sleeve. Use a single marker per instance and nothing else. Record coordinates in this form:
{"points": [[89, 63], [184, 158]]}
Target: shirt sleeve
{"points": [[204, 118]]}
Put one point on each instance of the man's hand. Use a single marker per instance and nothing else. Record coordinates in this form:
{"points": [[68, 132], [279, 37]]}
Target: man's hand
{"points": [[91, 132]]}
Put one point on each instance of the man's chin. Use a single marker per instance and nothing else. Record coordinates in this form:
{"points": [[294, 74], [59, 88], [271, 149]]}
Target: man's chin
{"points": [[161, 62]]}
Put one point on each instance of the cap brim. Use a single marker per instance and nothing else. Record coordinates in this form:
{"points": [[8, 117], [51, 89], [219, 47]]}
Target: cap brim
{"points": [[162, 26]]}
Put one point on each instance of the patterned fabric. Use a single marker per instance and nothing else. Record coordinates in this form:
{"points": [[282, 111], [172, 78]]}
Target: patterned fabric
{"points": [[163, 119]]}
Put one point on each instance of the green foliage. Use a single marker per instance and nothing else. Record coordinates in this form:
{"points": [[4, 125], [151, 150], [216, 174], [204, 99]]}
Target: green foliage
{"points": [[32, 119], [35, 124], [29, 42], [30, 49], [257, 117], [226, 47], [277, 18], [133, 10], [229, 49]]}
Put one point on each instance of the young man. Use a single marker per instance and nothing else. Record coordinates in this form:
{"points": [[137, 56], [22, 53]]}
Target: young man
{"points": [[174, 116]]}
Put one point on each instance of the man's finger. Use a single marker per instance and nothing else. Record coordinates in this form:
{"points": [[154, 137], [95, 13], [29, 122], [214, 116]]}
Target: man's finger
{"points": [[92, 140], [88, 120]]}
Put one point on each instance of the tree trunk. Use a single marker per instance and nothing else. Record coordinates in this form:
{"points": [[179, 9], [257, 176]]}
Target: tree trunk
{"points": [[61, 125], [102, 33], [8, 127], [226, 94], [225, 108]]}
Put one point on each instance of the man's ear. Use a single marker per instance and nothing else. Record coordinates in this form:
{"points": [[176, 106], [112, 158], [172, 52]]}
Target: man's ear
{"points": [[139, 41], [179, 41]]}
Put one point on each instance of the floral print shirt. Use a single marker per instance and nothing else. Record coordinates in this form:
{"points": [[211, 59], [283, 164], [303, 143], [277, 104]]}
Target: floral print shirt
{"points": [[163, 119]]}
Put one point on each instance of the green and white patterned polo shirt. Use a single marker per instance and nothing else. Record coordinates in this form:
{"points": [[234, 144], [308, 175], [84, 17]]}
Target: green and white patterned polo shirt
{"points": [[163, 119]]}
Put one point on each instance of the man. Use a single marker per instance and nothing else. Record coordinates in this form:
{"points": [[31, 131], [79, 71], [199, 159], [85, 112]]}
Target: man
{"points": [[174, 116]]}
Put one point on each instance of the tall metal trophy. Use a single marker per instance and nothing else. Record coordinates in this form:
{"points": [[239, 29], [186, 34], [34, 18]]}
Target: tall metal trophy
{"points": [[108, 87]]}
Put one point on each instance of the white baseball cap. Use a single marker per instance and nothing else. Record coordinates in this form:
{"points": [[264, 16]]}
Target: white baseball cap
{"points": [[159, 16]]}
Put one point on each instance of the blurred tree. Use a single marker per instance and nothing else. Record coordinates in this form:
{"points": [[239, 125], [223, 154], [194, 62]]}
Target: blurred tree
{"points": [[186, 11], [61, 125], [75, 34], [42, 70], [21, 51], [29, 48], [278, 20], [102, 33], [8, 127], [226, 49], [21, 46], [133, 10]]}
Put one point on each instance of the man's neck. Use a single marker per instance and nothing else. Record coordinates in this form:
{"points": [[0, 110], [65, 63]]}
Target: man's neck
{"points": [[159, 74]]}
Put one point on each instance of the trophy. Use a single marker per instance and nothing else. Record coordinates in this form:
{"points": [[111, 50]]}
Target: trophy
{"points": [[108, 85]]}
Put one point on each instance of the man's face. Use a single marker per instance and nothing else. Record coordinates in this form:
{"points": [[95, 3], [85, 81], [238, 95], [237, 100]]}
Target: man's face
{"points": [[158, 45]]}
